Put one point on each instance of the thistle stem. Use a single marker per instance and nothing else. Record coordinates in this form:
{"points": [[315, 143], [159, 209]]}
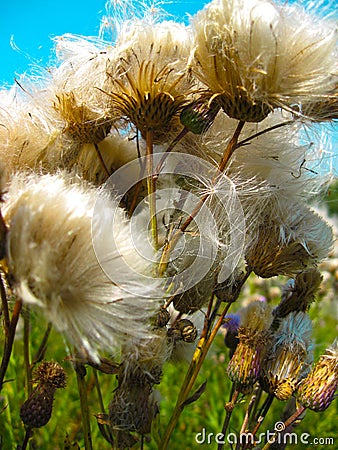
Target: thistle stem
{"points": [[201, 351], [231, 147], [229, 407], [26, 349], [9, 341], [171, 146], [80, 376], [4, 304], [28, 435], [43, 346], [103, 164], [151, 186], [264, 410], [98, 390], [287, 423]]}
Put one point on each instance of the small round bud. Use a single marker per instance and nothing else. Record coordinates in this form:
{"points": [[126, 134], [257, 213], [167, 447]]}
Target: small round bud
{"points": [[37, 409], [162, 318], [198, 116]]}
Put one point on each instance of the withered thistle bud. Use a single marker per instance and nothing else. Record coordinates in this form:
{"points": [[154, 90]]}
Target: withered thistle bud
{"points": [[50, 374], [83, 125], [303, 241], [245, 364], [297, 297], [183, 330], [37, 409], [288, 357], [199, 115], [317, 390]]}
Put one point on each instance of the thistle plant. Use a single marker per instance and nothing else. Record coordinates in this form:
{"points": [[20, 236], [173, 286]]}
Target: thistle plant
{"points": [[147, 181]]}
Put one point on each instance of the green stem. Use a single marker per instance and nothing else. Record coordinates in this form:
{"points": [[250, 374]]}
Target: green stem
{"points": [[9, 341], [26, 349], [262, 415], [229, 407], [98, 390], [190, 378], [171, 146], [4, 303], [287, 423], [28, 435], [201, 351], [80, 377], [151, 187], [231, 147], [43, 346]]}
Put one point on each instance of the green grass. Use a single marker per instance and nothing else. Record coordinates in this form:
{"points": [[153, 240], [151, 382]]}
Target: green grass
{"points": [[207, 413]]}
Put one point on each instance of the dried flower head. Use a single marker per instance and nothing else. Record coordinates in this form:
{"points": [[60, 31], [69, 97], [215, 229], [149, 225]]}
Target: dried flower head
{"points": [[82, 124], [53, 265], [298, 296], [245, 364], [317, 390], [148, 76], [288, 245], [256, 55], [51, 374], [134, 405], [36, 411], [289, 356]]}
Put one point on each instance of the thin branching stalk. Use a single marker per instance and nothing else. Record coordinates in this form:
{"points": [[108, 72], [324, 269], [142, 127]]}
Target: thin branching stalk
{"points": [[260, 133], [26, 349], [253, 401], [231, 147], [98, 390], [151, 187], [207, 337], [171, 146], [287, 423], [9, 341], [103, 164], [229, 407], [28, 435], [264, 410], [81, 384], [43, 346], [4, 303]]}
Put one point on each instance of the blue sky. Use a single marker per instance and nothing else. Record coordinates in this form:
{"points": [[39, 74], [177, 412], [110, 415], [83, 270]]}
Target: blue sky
{"points": [[32, 25]]}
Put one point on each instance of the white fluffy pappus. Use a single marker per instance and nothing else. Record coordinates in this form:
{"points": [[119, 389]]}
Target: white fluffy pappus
{"points": [[148, 81], [52, 262], [258, 55]]}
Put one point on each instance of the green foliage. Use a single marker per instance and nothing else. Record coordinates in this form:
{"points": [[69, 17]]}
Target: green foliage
{"points": [[64, 430], [331, 199]]}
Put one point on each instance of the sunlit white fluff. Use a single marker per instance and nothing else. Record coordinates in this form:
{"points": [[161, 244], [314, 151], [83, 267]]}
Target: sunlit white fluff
{"points": [[25, 132], [53, 265], [256, 55]]}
